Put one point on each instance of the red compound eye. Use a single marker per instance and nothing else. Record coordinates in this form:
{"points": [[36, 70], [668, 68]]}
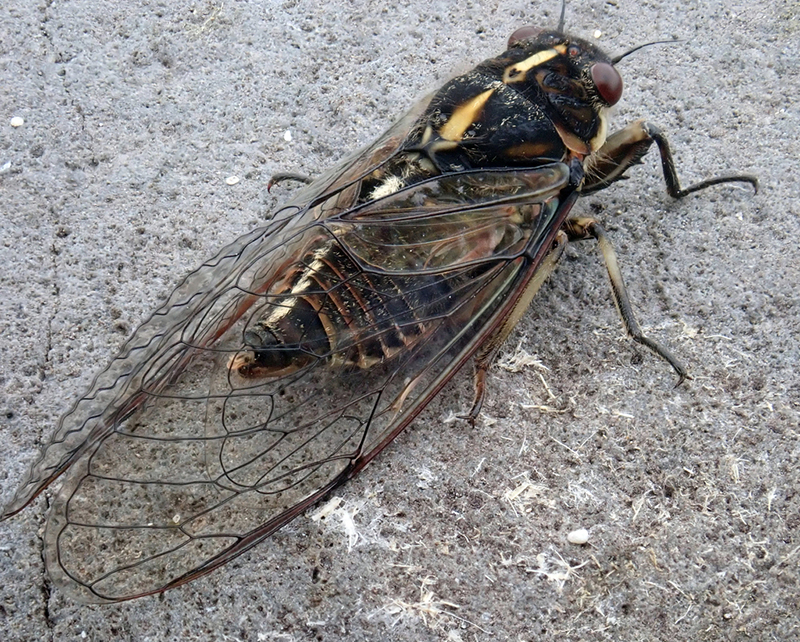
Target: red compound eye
{"points": [[523, 33], [608, 82]]}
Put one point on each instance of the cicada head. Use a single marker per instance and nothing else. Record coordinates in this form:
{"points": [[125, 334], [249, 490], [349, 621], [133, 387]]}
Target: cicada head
{"points": [[577, 80]]}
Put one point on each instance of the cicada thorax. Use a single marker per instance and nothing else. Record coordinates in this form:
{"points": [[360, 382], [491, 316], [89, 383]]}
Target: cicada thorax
{"points": [[538, 103], [541, 101]]}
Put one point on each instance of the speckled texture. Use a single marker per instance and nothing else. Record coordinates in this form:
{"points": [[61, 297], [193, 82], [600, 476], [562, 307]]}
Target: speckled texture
{"points": [[115, 186]]}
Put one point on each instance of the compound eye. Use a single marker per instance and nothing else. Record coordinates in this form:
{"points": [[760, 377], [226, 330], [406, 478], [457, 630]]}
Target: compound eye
{"points": [[608, 82], [523, 33]]}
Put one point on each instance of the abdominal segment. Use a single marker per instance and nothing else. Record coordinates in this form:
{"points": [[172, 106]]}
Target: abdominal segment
{"points": [[329, 308]]}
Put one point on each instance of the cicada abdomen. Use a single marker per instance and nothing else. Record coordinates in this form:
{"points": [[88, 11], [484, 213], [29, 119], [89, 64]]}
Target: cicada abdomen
{"points": [[329, 307]]}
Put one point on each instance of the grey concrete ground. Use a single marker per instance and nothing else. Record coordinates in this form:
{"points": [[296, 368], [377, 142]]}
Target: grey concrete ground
{"points": [[135, 114]]}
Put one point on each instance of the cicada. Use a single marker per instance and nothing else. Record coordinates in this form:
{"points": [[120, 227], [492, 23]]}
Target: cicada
{"points": [[283, 365]]}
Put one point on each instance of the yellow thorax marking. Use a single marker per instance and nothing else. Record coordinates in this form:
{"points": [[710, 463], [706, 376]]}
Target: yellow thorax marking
{"points": [[517, 71], [602, 132], [463, 116]]}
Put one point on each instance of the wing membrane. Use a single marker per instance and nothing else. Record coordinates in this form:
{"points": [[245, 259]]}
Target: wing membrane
{"points": [[174, 462]]}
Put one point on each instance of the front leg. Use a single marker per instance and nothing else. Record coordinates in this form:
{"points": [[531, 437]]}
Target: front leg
{"points": [[627, 147]]}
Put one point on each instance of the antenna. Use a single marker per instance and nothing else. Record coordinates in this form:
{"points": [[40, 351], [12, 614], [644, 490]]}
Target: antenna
{"points": [[616, 59]]}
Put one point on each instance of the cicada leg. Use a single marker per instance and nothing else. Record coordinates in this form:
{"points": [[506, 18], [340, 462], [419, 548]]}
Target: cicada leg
{"points": [[585, 228], [280, 177], [487, 353], [627, 147]]}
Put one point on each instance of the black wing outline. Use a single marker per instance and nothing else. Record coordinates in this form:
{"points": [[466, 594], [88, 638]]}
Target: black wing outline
{"points": [[173, 464]]}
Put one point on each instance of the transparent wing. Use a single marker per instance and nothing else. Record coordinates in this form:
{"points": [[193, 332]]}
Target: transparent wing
{"points": [[188, 311], [174, 462]]}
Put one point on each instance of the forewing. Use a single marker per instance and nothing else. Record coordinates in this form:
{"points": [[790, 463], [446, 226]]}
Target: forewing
{"points": [[196, 312], [176, 463]]}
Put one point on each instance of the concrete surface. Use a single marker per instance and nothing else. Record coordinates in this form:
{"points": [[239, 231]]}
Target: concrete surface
{"points": [[115, 186]]}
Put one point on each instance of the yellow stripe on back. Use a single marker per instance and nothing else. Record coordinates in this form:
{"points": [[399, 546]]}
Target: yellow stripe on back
{"points": [[518, 71], [463, 116]]}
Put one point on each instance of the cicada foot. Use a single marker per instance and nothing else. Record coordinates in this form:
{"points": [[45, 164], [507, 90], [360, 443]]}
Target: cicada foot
{"points": [[481, 368]]}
